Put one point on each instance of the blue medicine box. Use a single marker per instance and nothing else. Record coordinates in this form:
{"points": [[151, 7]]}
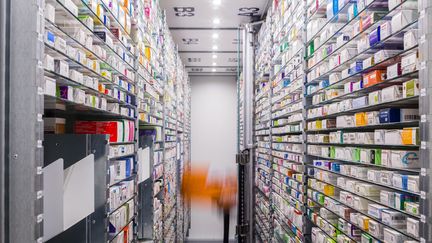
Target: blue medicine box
{"points": [[375, 36], [389, 115]]}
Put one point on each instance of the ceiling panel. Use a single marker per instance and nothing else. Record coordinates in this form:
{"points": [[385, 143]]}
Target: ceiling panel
{"points": [[201, 13], [193, 28], [202, 40], [207, 59]]}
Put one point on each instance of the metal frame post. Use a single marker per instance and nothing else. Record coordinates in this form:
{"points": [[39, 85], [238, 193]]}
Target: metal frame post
{"points": [[24, 124], [4, 15], [425, 75], [246, 154]]}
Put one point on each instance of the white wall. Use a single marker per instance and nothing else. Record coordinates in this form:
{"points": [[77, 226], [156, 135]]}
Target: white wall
{"points": [[214, 143]]}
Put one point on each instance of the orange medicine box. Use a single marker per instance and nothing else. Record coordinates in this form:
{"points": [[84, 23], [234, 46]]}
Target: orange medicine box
{"points": [[360, 119], [373, 77], [410, 136]]}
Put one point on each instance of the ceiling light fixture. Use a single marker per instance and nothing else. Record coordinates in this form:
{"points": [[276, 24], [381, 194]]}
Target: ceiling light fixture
{"points": [[215, 47], [217, 2], [214, 56], [215, 35], [214, 64], [214, 70], [216, 21]]}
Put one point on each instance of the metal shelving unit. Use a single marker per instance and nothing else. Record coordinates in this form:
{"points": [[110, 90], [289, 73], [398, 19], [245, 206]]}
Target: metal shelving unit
{"points": [[345, 142]]}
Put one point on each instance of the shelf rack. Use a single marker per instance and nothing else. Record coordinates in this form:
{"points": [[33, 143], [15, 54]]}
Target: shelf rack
{"points": [[335, 64]]}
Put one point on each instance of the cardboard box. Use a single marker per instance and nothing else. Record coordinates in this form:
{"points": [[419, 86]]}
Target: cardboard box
{"points": [[376, 229], [391, 93], [394, 70], [409, 63], [49, 12], [412, 208], [402, 19], [65, 92], [50, 86], [54, 125], [49, 63], [389, 115], [360, 102], [70, 5], [61, 67], [60, 44], [373, 78], [394, 218], [375, 210], [413, 183], [374, 97], [411, 88], [385, 29], [384, 55], [410, 39], [387, 198], [79, 96], [391, 236], [411, 136], [360, 119], [413, 226]]}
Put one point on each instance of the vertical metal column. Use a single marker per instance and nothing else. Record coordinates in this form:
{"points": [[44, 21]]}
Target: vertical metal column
{"points": [[4, 15], [425, 80], [24, 124], [244, 159]]}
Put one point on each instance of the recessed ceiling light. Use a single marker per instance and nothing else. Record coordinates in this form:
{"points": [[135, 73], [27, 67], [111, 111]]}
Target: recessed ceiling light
{"points": [[217, 2], [215, 35], [214, 70], [216, 21], [215, 47], [214, 56], [214, 64]]}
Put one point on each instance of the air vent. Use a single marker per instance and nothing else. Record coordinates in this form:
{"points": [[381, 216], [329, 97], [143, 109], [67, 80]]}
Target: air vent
{"points": [[231, 69], [194, 59], [233, 59], [196, 69], [190, 41]]}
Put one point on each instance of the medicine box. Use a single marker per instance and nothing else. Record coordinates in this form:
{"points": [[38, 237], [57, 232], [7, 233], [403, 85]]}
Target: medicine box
{"points": [[387, 198], [360, 102], [391, 93], [410, 38], [402, 19], [376, 229], [413, 227], [412, 207], [49, 12], [61, 67], [374, 97], [392, 236], [394, 70], [79, 96], [49, 63], [413, 183], [373, 78], [389, 115], [394, 218], [411, 136], [409, 63], [411, 88], [65, 92], [375, 210], [50, 86]]}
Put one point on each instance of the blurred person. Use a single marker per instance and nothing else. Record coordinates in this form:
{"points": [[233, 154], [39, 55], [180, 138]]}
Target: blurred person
{"points": [[200, 185]]}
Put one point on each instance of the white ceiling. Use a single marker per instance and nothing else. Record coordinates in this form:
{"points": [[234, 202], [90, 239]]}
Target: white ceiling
{"points": [[192, 27]]}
